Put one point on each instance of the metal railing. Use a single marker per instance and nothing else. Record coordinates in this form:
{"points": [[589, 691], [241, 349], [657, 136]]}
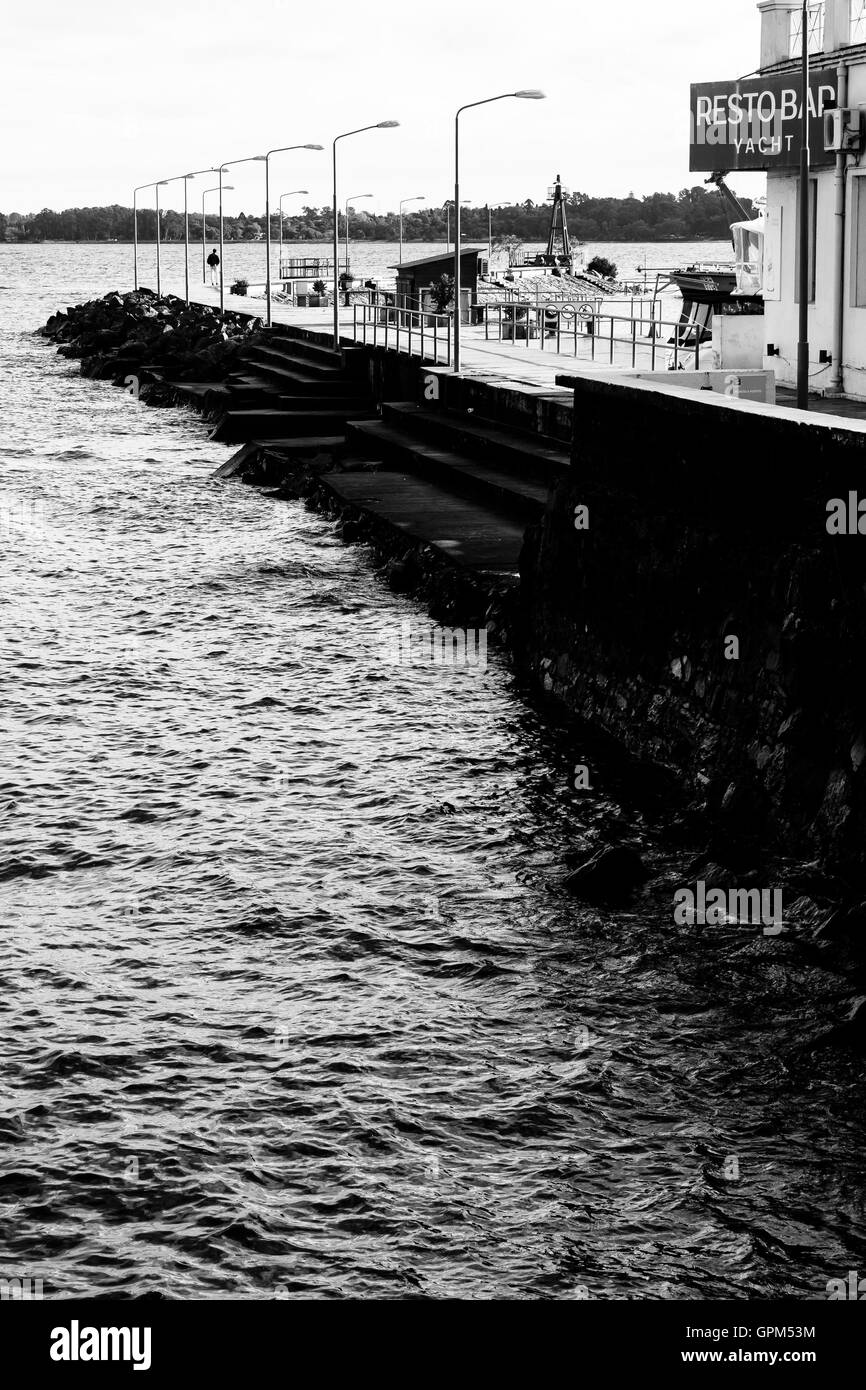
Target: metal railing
{"points": [[414, 331], [640, 338], [305, 268], [631, 306]]}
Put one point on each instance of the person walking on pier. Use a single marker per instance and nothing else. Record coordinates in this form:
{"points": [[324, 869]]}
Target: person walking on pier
{"points": [[213, 261]]}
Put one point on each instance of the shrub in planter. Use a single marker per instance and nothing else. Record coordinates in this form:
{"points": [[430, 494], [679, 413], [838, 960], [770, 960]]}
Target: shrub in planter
{"points": [[240, 286], [442, 293], [318, 287]]}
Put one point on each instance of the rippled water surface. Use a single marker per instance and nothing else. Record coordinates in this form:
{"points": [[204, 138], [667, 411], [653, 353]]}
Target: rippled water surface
{"points": [[292, 999]]}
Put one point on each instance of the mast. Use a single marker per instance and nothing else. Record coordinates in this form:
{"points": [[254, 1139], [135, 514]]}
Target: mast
{"points": [[733, 207], [558, 226]]}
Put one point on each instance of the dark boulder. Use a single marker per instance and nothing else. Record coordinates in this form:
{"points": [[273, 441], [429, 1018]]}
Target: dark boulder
{"points": [[854, 1027], [403, 575], [610, 876]]}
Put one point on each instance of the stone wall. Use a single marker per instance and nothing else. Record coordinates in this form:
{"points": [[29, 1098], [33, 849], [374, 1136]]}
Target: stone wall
{"points": [[707, 519]]}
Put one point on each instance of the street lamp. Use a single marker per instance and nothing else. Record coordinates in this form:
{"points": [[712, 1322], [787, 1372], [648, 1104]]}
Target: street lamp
{"points": [[161, 184], [379, 125], [490, 207], [419, 199], [216, 188], [348, 201], [135, 193], [805, 200], [291, 193], [246, 159], [281, 149], [448, 205], [528, 95], [186, 178]]}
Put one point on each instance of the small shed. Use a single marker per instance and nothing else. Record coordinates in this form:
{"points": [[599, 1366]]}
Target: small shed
{"points": [[414, 278]]}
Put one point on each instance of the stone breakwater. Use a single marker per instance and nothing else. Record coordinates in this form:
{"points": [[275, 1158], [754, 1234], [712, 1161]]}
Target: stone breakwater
{"points": [[140, 336]]}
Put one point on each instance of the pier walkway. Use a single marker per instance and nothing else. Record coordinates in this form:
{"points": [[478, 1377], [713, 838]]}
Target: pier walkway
{"points": [[509, 363], [506, 362]]}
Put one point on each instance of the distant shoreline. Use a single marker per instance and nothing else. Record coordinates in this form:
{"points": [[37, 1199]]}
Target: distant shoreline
{"points": [[375, 241]]}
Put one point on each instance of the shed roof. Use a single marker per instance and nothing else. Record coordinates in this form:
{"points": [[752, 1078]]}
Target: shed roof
{"points": [[443, 256]]}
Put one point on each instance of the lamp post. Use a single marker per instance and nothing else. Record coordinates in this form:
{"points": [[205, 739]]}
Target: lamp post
{"points": [[245, 159], [160, 184], [186, 178], [353, 198], [281, 149], [528, 95], [291, 193], [490, 207], [403, 201], [215, 189], [379, 125], [448, 205], [805, 258], [135, 193]]}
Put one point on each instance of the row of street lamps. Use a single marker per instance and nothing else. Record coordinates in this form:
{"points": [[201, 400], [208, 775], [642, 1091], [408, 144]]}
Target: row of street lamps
{"points": [[221, 187]]}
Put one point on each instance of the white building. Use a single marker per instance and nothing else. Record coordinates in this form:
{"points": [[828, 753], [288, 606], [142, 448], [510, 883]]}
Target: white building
{"points": [[755, 123]]}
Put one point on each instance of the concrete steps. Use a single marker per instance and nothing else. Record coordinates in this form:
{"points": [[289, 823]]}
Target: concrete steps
{"points": [[272, 361], [526, 453], [316, 350], [466, 486], [237, 426], [462, 531], [290, 382], [286, 386], [522, 497]]}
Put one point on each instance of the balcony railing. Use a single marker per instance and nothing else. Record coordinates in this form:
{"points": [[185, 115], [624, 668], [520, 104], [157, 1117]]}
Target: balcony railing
{"points": [[305, 268]]}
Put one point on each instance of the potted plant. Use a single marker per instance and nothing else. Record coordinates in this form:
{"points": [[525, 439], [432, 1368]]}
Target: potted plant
{"points": [[319, 295], [240, 286], [442, 293]]}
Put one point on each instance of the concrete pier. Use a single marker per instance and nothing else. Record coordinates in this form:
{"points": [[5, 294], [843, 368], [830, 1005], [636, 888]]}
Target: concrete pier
{"points": [[702, 611]]}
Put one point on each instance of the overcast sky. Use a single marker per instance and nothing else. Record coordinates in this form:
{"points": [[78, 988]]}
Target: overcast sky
{"points": [[98, 95]]}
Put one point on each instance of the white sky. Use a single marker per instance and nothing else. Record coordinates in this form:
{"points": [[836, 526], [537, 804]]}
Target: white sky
{"points": [[97, 96]]}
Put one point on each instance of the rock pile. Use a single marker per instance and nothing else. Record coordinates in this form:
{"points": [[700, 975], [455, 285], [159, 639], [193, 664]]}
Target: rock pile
{"points": [[156, 340]]}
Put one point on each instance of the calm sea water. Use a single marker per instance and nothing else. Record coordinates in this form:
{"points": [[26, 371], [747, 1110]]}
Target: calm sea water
{"points": [[292, 999]]}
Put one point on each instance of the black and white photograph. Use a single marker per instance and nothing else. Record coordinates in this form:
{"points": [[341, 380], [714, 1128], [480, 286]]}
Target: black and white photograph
{"points": [[433, 708]]}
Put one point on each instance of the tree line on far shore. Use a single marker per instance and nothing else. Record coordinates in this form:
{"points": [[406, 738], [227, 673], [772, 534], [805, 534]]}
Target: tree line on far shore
{"points": [[694, 214]]}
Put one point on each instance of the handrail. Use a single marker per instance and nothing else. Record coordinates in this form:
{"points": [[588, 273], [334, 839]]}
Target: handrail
{"points": [[408, 322], [300, 267], [575, 327], [646, 340]]}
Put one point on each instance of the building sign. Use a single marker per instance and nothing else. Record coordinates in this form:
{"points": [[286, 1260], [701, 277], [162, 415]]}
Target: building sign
{"points": [[756, 123]]}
